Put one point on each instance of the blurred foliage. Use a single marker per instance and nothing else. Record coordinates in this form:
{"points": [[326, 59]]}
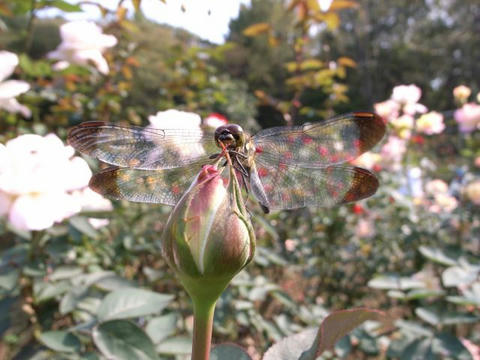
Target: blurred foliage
{"points": [[63, 290]]}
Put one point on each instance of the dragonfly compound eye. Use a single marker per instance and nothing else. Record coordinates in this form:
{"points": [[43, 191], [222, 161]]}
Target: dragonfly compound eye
{"points": [[231, 135]]}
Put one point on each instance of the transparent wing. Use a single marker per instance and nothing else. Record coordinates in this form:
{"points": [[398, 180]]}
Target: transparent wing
{"points": [[142, 148], [288, 186], [148, 186], [319, 144]]}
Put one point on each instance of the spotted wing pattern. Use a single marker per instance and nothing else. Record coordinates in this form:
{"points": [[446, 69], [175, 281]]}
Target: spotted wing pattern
{"points": [[148, 186], [320, 144], [289, 186], [142, 148]]}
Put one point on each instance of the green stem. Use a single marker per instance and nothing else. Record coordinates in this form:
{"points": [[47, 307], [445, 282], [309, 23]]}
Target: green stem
{"points": [[202, 329], [31, 19]]}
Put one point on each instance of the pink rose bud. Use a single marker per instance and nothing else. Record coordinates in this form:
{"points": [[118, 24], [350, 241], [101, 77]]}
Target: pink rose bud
{"points": [[208, 237]]}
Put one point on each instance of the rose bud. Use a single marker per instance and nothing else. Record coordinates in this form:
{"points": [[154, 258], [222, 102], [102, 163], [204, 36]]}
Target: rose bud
{"points": [[208, 237]]}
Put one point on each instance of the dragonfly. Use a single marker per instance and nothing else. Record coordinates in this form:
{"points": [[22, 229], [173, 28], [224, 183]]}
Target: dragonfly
{"points": [[283, 167]]}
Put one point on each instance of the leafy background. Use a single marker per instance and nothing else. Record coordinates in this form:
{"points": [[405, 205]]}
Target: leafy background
{"points": [[76, 292]]}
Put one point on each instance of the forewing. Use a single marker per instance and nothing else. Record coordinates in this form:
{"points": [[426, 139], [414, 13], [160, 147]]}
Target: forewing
{"points": [[142, 148], [319, 144], [148, 186], [292, 186]]}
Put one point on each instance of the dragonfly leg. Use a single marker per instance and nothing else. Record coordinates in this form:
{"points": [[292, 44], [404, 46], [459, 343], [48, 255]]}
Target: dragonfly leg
{"points": [[214, 156], [240, 167], [238, 154], [244, 179]]}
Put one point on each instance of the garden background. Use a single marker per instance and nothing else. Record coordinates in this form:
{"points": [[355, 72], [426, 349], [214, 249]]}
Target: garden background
{"points": [[70, 257]]}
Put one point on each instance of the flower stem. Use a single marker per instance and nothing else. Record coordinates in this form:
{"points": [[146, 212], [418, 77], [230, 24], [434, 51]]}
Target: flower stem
{"points": [[202, 329]]}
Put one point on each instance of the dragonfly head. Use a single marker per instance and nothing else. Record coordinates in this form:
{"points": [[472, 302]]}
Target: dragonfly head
{"points": [[231, 136]]}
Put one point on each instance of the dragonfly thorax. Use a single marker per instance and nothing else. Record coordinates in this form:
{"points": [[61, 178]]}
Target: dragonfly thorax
{"points": [[231, 136]]}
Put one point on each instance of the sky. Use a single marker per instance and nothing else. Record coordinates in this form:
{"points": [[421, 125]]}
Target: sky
{"points": [[206, 18]]}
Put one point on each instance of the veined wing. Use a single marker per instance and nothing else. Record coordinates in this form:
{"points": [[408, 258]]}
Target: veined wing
{"points": [[320, 144], [142, 148], [289, 186], [148, 186]]}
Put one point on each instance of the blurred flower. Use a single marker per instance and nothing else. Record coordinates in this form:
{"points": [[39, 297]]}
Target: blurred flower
{"points": [[365, 228], [436, 186], [413, 109], [415, 183], [89, 200], [443, 203], [472, 191], [431, 123], [82, 42], [418, 139], [477, 161], [37, 177], [472, 348], [290, 245], [403, 122], [468, 117], [403, 125], [392, 151], [175, 119], [367, 160], [405, 94], [407, 97], [325, 4], [388, 110], [208, 237], [462, 93], [215, 120], [358, 209], [9, 89]]}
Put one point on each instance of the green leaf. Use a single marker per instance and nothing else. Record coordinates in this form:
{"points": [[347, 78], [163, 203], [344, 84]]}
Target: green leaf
{"points": [[160, 328], [228, 352], [428, 315], [8, 280], [123, 340], [60, 341], [131, 302], [81, 224], [419, 349], [418, 294], [435, 316], [37, 68], [59, 4], [178, 345], [46, 290], [114, 282], [343, 347], [15, 255], [415, 294], [257, 29], [340, 323], [65, 272], [455, 318], [292, 347], [471, 296], [71, 299], [413, 328], [456, 276], [395, 282], [448, 345], [438, 255], [309, 344]]}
